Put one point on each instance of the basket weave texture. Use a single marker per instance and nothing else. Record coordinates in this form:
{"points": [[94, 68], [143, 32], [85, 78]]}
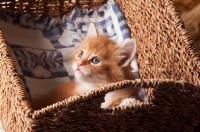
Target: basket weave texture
{"points": [[165, 51]]}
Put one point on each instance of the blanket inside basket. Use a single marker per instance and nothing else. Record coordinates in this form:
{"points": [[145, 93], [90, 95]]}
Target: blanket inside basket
{"points": [[42, 48]]}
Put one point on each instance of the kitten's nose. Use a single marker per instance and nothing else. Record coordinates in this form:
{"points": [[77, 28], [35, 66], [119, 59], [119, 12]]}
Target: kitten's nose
{"points": [[80, 64]]}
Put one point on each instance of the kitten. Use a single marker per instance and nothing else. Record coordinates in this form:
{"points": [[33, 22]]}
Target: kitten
{"points": [[190, 14], [98, 61]]}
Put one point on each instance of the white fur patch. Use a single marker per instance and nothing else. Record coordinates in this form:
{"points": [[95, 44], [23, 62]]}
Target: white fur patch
{"points": [[85, 70], [74, 66], [84, 87], [108, 99], [129, 101]]}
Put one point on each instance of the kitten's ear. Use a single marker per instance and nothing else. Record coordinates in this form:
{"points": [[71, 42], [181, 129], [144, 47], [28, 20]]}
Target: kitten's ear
{"points": [[128, 51], [92, 32]]}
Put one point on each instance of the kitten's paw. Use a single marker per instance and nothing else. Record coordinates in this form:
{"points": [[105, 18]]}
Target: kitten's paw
{"points": [[129, 101], [104, 105], [110, 100]]}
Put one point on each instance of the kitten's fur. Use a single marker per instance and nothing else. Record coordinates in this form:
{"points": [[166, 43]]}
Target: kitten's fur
{"points": [[98, 60], [190, 14]]}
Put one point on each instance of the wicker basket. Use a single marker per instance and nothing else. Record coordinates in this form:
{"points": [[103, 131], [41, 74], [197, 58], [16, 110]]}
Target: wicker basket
{"points": [[165, 51]]}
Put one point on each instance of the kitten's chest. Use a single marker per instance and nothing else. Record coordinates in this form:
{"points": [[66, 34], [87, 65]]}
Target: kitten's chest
{"points": [[84, 87]]}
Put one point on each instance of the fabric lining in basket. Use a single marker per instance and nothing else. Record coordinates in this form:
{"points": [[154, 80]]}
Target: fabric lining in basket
{"points": [[43, 56], [165, 51]]}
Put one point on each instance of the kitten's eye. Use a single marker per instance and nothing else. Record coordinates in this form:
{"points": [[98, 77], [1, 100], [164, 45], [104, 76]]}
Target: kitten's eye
{"points": [[95, 60], [80, 54]]}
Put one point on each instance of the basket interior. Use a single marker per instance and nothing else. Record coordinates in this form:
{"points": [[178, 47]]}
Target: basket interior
{"points": [[42, 48]]}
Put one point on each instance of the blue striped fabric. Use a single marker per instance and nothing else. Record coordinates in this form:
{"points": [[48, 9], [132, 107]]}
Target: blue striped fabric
{"points": [[108, 20]]}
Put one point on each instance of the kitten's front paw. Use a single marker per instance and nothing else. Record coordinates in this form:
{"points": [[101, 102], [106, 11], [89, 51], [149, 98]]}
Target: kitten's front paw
{"points": [[124, 97], [129, 101], [110, 100], [104, 105]]}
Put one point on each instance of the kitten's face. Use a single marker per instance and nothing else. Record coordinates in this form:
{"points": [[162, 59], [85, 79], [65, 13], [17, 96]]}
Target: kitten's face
{"points": [[96, 61]]}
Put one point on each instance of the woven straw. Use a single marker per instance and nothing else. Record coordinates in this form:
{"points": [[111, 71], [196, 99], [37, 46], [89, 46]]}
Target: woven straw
{"points": [[48, 7], [165, 51]]}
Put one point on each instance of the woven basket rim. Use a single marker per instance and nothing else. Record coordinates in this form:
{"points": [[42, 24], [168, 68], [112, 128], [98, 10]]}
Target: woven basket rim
{"points": [[144, 83]]}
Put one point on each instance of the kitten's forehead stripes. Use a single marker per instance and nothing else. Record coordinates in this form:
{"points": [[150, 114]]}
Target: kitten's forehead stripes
{"points": [[100, 47], [92, 56]]}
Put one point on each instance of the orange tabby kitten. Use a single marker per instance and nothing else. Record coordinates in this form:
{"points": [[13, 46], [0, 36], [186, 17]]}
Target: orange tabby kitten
{"points": [[97, 61]]}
